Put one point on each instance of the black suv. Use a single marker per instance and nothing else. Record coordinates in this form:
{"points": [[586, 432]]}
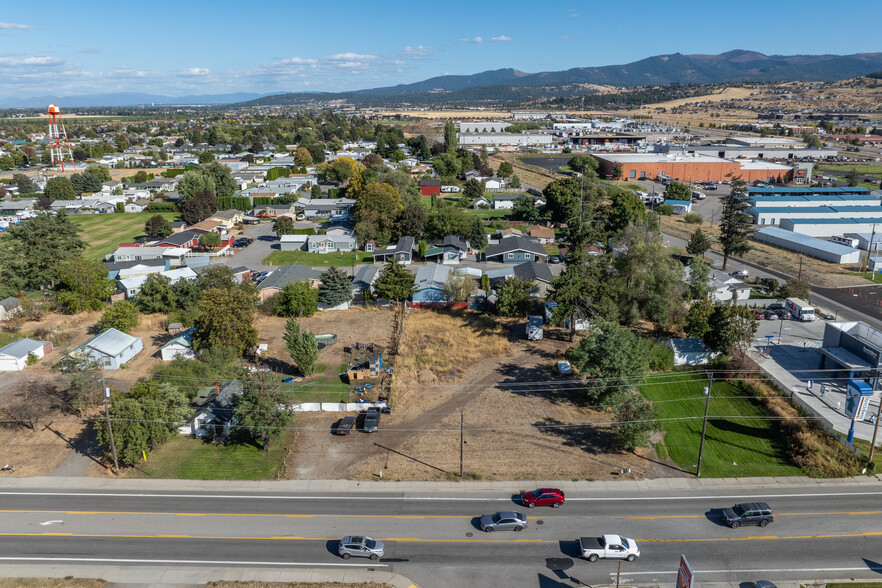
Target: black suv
{"points": [[748, 513]]}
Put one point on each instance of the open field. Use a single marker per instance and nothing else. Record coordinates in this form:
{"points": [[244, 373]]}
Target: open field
{"points": [[317, 259], [738, 442], [724, 94], [860, 168], [104, 232], [187, 458]]}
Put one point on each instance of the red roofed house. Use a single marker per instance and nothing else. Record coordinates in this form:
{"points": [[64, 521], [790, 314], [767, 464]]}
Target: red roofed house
{"points": [[430, 187]]}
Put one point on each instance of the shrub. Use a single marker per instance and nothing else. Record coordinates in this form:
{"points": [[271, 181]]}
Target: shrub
{"points": [[31, 359], [693, 218], [661, 357], [665, 210]]}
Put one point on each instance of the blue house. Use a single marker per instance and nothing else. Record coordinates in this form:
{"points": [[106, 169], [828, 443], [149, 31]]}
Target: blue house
{"points": [[430, 281], [516, 250], [111, 348]]}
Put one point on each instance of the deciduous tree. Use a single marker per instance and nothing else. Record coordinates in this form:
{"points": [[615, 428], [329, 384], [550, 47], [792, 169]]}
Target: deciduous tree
{"points": [[636, 417], [226, 319], [157, 295], [211, 239], [627, 208], [302, 346], [297, 299], [283, 225], [198, 208], [513, 298], [59, 188], [678, 191], [524, 209], [612, 356], [158, 226], [263, 408], [121, 315], [82, 285]]}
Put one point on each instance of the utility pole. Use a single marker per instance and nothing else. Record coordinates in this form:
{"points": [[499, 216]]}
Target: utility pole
{"points": [[109, 427], [707, 391], [878, 416], [461, 419], [799, 276]]}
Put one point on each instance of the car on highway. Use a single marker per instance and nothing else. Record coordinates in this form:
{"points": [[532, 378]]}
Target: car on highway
{"points": [[360, 546], [748, 513], [608, 547], [507, 520], [564, 368], [543, 497], [770, 315]]}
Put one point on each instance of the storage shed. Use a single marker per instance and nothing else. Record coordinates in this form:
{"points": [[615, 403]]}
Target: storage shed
{"points": [[14, 356]]}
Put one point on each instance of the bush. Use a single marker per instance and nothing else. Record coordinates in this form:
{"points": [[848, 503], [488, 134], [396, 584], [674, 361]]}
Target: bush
{"points": [[122, 316], [693, 218], [661, 357], [665, 210]]}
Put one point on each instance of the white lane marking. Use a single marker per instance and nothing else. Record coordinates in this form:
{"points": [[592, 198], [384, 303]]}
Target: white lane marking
{"points": [[864, 568], [51, 523], [194, 561], [437, 498]]}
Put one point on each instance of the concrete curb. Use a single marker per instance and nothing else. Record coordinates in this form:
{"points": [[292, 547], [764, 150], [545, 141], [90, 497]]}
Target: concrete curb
{"points": [[351, 486], [199, 576]]}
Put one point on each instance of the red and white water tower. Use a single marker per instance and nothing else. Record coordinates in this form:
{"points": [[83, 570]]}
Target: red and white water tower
{"points": [[55, 137]]}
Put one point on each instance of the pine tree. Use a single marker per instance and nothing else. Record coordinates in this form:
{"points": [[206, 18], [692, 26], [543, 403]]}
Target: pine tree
{"points": [[395, 282], [736, 225], [302, 346], [336, 287]]}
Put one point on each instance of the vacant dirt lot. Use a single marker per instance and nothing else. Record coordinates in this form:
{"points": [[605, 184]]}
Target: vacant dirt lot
{"points": [[520, 420]]}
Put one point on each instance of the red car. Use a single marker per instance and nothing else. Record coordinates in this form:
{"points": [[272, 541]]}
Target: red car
{"points": [[543, 497]]}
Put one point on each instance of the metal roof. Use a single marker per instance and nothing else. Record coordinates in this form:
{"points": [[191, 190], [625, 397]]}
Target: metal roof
{"points": [[804, 240], [111, 342], [533, 271], [21, 348]]}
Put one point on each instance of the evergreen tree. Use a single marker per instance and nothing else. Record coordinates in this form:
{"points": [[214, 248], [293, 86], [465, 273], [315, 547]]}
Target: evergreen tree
{"points": [[736, 225], [395, 282], [450, 140], [698, 243], [301, 345], [336, 287]]}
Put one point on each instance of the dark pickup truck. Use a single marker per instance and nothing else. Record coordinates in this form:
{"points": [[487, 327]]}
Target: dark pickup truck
{"points": [[371, 420]]}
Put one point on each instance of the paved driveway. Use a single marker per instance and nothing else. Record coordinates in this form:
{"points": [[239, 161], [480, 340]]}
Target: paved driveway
{"points": [[265, 242]]}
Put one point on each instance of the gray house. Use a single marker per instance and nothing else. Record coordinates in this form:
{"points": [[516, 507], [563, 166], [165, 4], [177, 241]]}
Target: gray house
{"points": [[401, 251], [325, 207], [451, 252], [111, 348], [537, 274], [364, 280], [275, 281], [516, 250], [330, 243], [9, 307]]}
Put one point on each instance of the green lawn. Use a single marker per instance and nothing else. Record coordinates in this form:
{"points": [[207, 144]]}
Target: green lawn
{"points": [[486, 213], [551, 249], [185, 457], [323, 386], [869, 276], [865, 169], [317, 259], [735, 446], [104, 232]]}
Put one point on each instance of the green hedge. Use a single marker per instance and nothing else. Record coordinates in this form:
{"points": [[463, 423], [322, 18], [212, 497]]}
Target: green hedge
{"points": [[161, 207], [242, 203], [173, 172]]}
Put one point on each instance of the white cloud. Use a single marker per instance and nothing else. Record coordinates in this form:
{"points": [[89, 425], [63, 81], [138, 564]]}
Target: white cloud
{"points": [[297, 61], [418, 52], [500, 39], [195, 71], [574, 12], [30, 61], [474, 40], [16, 27], [350, 57]]}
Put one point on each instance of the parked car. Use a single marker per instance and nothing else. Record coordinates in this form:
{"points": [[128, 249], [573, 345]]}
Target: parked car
{"points": [[359, 546], [770, 315], [759, 315], [344, 426], [243, 242], [776, 306], [710, 186], [564, 368], [543, 497], [371, 421], [748, 513], [507, 520], [554, 259]]}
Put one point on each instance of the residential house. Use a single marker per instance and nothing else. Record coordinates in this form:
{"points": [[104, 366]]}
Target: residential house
{"points": [[542, 235], [515, 250], [185, 239], [724, 287], [240, 274], [293, 242], [111, 348], [131, 269], [330, 243], [493, 184], [276, 280], [430, 187], [208, 226], [229, 218], [179, 346], [325, 207], [430, 281], [680, 206], [402, 251], [481, 202], [504, 201], [691, 351], [273, 210], [131, 286], [130, 253], [14, 356], [364, 280], [178, 226], [19, 209], [136, 206], [215, 415], [538, 275], [9, 307], [111, 185], [452, 251]]}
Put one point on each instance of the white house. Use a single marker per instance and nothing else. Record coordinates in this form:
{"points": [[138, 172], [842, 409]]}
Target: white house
{"points": [[504, 201], [493, 184], [179, 346], [690, 351], [14, 357], [111, 348]]}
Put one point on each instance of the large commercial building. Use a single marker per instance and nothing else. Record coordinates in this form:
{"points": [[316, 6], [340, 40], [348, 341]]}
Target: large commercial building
{"points": [[754, 152], [806, 245], [818, 212], [833, 227], [754, 141], [690, 168], [506, 139], [483, 126]]}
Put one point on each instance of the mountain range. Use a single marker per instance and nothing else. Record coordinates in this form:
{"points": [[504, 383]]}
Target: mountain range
{"points": [[512, 85]]}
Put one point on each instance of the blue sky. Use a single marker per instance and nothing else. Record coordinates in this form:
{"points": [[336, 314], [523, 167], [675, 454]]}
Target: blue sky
{"points": [[198, 47]]}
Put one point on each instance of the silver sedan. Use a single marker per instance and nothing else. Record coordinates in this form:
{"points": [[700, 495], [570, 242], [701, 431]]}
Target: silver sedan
{"points": [[504, 521]]}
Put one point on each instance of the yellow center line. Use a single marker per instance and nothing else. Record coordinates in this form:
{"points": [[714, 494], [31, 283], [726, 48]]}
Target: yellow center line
{"points": [[436, 540]]}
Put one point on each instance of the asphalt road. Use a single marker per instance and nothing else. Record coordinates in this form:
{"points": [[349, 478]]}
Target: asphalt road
{"points": [[827, 533]]}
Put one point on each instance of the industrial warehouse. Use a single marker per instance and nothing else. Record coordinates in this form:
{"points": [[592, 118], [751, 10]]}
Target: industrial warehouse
{"points": [[690, 167]]}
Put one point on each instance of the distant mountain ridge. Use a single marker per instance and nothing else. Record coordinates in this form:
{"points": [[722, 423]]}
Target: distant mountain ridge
{"points": [[125, 99], [733, 66]]}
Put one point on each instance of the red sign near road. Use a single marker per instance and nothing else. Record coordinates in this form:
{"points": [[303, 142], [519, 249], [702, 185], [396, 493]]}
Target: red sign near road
{"points": [[684, 575]]}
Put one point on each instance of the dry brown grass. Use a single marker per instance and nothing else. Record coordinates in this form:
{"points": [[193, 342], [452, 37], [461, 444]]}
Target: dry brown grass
{"points": [[51, 583], [447, 344]]}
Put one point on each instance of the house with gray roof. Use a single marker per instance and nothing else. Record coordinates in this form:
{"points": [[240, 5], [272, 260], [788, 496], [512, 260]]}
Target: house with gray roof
{"points": [[537, 274], [111, 348], [364, 280], [215, 414], [14, 356], [452, 251], [430, 281], [276, 280], [401, 251], [330, 243], [325, 207], [515, 250], [9, 307]]}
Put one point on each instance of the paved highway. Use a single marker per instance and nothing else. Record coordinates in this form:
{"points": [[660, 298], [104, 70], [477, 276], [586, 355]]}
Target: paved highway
{"points": [[831, 532]]}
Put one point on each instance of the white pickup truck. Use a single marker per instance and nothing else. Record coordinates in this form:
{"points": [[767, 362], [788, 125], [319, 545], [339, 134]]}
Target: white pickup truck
{"points": [[608, 547]]}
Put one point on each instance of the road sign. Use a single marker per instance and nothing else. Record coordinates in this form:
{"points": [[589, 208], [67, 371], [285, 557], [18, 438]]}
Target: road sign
{"points": [[684, 575], [862, 408]]}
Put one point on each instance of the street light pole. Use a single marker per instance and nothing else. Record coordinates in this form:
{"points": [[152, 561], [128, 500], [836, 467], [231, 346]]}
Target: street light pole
{"points": [[710, 381], [461, 419]]}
